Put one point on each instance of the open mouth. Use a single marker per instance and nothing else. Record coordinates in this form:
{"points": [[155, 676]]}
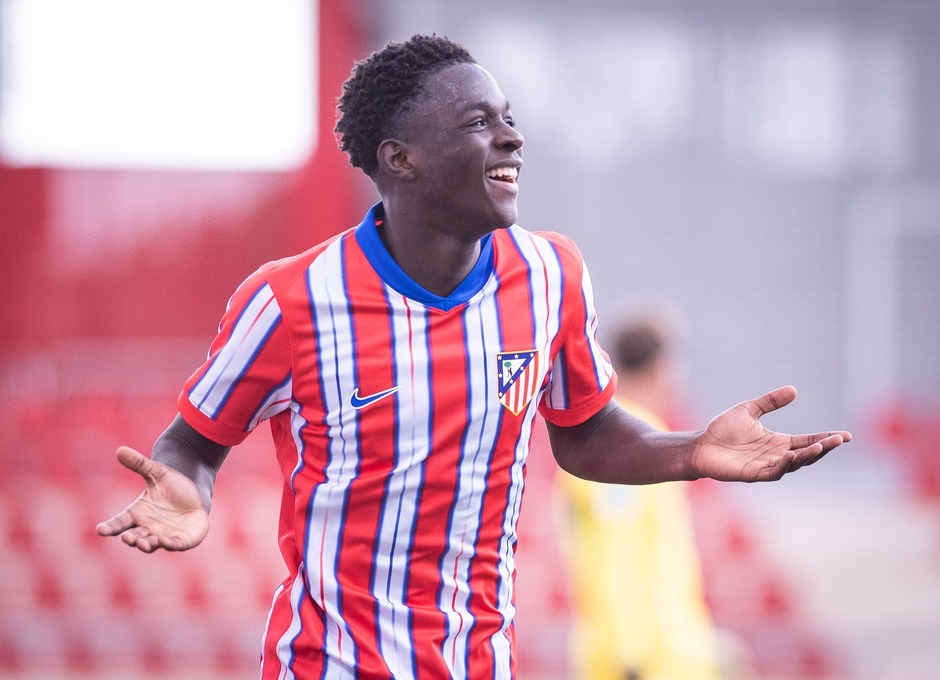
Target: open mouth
{"points": [[508, 175]]}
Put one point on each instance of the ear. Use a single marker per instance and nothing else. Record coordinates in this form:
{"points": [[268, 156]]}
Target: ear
{"points": [[395, 160]]}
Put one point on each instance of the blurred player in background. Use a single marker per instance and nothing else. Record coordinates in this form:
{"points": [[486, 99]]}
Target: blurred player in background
{"points": [[401, 365], [637, 593]]}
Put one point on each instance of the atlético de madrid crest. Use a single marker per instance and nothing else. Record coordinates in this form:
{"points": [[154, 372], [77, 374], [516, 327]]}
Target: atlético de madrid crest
{"points": [[518, 376]]}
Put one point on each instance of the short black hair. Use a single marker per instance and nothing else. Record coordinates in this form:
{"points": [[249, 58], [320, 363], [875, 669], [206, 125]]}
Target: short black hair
{"points": [[383, 86]]}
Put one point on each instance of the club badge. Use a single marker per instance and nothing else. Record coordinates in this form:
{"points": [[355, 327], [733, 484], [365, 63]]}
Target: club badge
{"points": [[518, 378]]}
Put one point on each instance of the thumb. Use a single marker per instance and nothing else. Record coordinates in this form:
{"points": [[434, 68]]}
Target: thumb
{"points": [[771, 401], [135, 461]]}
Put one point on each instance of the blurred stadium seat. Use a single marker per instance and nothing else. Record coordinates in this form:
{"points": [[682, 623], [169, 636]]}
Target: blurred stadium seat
{"points": [[73, 604]]}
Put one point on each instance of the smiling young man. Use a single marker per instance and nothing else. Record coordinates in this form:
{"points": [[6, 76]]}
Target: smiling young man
{"points": [[401, 365]]}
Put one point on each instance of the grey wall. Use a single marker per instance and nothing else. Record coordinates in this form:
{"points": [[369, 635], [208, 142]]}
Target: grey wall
{"points": [[769, 170]]}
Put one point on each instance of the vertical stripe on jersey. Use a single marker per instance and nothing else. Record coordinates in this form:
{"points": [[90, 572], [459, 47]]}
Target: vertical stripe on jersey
{"points": [[285, 610], [297, 595], [480, 329], [602, 368], [545, 285], [251, 330], [326, 509], [404, 485]]}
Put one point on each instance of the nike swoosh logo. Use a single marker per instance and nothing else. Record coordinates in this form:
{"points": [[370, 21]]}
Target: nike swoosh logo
{"points": [[358, 402]]}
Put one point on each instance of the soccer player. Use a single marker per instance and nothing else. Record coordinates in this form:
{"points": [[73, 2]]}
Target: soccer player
{"points": [[637, 594], [400, 365]]}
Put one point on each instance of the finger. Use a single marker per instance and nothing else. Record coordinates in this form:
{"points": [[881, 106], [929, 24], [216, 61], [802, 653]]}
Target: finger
{"points": [[808, 455], [784, 464], [117, 524], [827, 440], [771, 401], [133, 535], [812, 453], [135, 461], [146, 541]]}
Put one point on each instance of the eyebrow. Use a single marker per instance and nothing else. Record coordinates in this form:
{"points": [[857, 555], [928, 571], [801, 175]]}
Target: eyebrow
{"points": [[483, 105]]}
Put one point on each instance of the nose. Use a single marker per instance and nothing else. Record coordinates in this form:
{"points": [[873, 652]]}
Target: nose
{"points": [[510, 138]]}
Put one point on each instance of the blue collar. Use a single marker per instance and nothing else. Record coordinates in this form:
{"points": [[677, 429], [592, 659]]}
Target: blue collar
{"points": [[367, 235]]}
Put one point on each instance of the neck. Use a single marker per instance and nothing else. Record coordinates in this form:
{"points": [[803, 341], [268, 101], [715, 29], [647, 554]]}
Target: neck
{"points": [[429, 254]]}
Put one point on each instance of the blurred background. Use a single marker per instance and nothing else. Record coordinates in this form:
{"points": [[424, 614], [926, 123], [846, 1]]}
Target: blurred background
{"points": [[767, 171]]}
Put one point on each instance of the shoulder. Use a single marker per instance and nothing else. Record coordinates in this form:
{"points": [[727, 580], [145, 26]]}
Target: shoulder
{"points": [[565, 249], [568, 250], [541, 253]]}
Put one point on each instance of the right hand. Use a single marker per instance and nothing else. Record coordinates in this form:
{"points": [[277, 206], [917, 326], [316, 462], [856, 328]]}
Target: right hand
{"points": [[170, 513]]}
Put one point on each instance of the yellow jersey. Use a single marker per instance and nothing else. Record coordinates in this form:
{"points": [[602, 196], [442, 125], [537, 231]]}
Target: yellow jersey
{"points": [[636, 583]]}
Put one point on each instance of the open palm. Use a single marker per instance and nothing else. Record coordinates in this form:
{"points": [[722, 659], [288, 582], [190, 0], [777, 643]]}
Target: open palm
{"points": [[737, 447], [170, 513]]}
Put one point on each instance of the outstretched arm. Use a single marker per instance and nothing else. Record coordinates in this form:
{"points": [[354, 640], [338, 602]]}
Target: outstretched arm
{"points": [[172, 512], [613, 446]]}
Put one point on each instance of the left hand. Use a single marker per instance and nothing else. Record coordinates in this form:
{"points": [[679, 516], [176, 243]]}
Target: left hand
{"points": [[737, 447]]}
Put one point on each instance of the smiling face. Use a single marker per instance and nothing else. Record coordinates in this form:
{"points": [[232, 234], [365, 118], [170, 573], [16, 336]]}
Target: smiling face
{"points": [[465, 152]]}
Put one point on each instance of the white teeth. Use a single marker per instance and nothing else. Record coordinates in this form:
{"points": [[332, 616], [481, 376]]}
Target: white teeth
{"points": [[510, 173]]}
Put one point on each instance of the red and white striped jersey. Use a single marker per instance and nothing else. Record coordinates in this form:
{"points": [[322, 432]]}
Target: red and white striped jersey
{"points": [[401, 422]]}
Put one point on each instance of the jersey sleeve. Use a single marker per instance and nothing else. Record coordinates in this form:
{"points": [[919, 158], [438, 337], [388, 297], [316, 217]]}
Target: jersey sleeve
{"points": [[582, 379], [247, 376]]}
